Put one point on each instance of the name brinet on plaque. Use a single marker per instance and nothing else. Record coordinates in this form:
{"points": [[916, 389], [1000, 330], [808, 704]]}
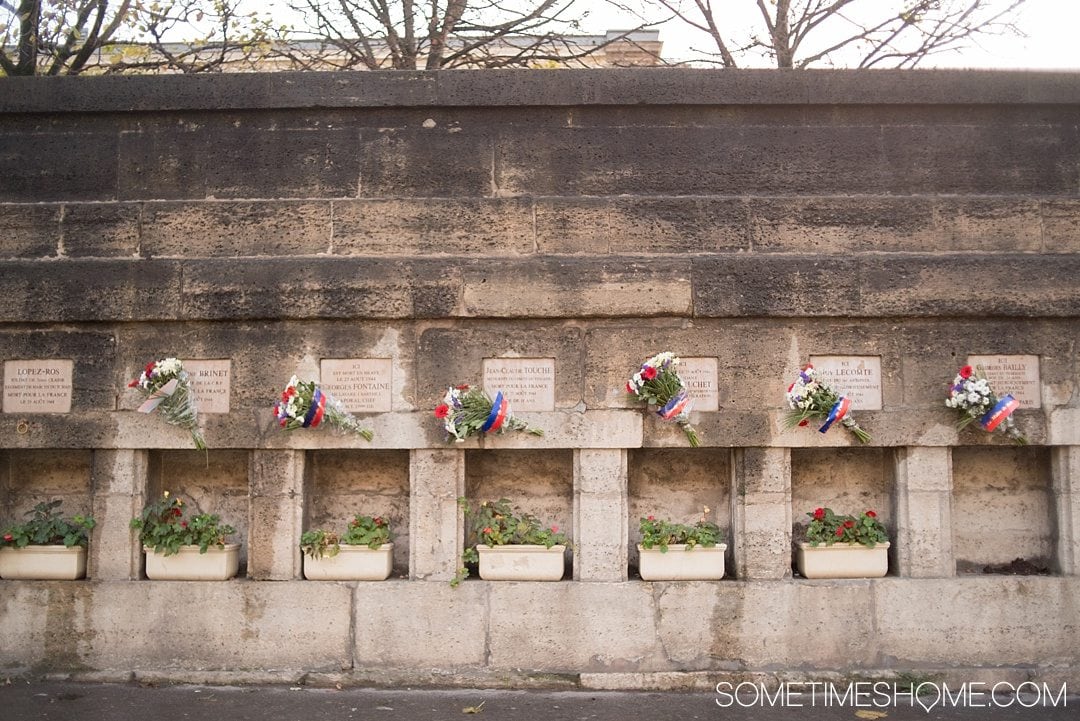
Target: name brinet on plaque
{"points": [[362, 385], [856, 376], [700, 377], [1017, 375], [212, 382], [38, 386], [527, 383]]}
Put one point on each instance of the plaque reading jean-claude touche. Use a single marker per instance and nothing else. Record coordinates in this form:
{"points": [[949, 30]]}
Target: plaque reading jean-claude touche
{"points": [[362, 385], [528, 383], [856, 376], [212, 382], [1017, 375], [699, 375], [38, 386]]}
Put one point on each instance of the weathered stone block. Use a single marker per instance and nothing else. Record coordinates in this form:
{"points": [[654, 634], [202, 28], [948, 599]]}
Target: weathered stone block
{"points": [[30, 231], [436, 527], [600, 515], [426, 162], [58, 164], [1060, 225], [231, 229], [120, 479], [1065, 487], [96, 230]]}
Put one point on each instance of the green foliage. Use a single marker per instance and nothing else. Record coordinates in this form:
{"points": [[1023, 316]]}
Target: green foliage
{"points": [[828, 528], [368, 531], [48, 527], [662, 533], [495, 523], [162, 526]]}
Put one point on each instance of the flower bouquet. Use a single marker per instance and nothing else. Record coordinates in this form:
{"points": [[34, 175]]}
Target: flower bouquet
{"points": [[304, 405], [809, 398], [658, 384], [467, 411], [165, 384], [972, 396]]}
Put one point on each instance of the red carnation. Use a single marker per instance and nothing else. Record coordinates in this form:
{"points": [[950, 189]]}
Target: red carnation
{"points": [[150, 368], [871, 514], [648, 373], [966, 372], [819, 513], [134, 383], [442, 410], [804, 422]]}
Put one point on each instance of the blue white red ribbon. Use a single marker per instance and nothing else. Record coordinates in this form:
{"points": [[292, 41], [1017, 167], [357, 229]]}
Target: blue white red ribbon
{"points": [[837, 413], [999, 413], [314, 415], [500, 409], [676, 405]]}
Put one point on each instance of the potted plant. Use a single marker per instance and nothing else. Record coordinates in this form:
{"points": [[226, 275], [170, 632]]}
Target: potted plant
{"points": [[512, 545], [843, 546], [183, 549], [679, 552], [46, 547], [362, 553]]}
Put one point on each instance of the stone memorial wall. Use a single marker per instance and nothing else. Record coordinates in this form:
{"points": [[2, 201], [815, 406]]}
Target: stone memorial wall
{"points": [[391, 235]]}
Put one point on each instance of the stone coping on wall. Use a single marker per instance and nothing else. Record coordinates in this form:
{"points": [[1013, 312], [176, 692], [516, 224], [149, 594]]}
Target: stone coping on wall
{"points": [[473, 88]]}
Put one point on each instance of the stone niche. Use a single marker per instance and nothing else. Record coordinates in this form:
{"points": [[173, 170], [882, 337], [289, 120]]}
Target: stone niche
{"points": [[211, 482], [540, 482], [1001, 509], [345, 483], [29, 477], [676, 484], [847, 480]]}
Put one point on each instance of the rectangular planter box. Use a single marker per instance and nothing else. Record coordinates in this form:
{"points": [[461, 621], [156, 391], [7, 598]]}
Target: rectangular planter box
{"points": [[843, 560], [216, 564], [44, 563], [521, 563], [682, 563], [352, 563]]}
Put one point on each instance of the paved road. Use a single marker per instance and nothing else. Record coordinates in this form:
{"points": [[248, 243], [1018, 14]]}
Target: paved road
{"points": [[61, 701]]}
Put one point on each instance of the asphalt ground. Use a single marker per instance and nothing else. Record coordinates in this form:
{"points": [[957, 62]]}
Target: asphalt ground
{"points": [[22, 700]]}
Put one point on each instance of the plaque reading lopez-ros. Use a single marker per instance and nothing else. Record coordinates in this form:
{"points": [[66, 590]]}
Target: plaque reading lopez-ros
{"points": [[527, 383], [38, 386]]}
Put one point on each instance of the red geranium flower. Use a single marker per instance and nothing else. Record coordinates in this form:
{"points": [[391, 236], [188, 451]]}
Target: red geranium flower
{"points": [[849, 524], [554, 529], [8, 537], [378, 520], [966, 372], [819, 513], [839, 531], [487, 529], [871, 514], [648, 373], [183, 524], [442, 410], [651, 518]]}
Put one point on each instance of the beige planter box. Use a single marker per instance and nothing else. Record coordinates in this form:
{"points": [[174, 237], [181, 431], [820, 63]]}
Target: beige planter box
{"points": [[217, 564], [521, 563], [352, 563], [843, 560], [682, 563], [43, 563]]}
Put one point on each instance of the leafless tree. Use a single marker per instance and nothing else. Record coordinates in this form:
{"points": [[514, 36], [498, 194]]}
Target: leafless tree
{"points": [[434, 34], [859, 33]]}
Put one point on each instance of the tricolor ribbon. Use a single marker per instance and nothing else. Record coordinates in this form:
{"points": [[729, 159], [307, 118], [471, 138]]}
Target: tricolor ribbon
{"points": [[500, 409], [679, 403], [839, 410], [158, 396], [314, 415], [999, 413]]}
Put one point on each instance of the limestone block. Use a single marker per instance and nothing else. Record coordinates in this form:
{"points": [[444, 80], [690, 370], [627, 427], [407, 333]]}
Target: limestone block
{"points": [[1065, 487], [231, 228], [101, 230], [987, 620], [600, 515], [923, 526], [541, 626], [120, 479], [458, 226], [446, 160], [1060, 225], [761, 513], [436, 527], [276, 513], [411, 624], [30, 231]]}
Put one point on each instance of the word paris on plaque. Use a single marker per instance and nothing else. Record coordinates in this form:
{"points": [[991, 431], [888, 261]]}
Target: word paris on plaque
{"points": [[362, 385], [856, 376], [37, 386], [212, 382], [527, 383], [1017, 375]]}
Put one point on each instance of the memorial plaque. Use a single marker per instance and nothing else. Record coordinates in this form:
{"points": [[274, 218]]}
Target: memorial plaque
{"points": [[699, 375], [856, 376], [362, 385], [528, 383], [38, 386], [1014, 374], [212, 382]]}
